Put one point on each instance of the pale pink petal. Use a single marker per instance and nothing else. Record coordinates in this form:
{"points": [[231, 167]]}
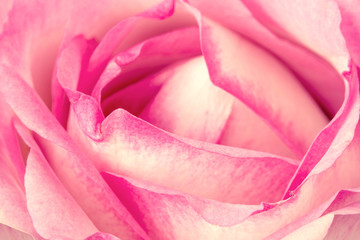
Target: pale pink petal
{"points": [[95, 19], [35, 30], [13, 211], [342, 174], [323, 82], [77, 174], [25, 45], [167, 214], [68, 71], [102, 236], [312, 23], [127, 33], [346, 202], [47, 198], [188, 104], [319, 193], [332, 141], [76, 53], [246, 129], [344, 227], [202, 169], [350, 27], [4, 11], [144, 59], [187, 93], [261, 82], [315, 230], [8, 233]]}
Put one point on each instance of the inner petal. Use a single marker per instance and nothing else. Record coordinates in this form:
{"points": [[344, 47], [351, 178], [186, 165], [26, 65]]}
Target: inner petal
{"points": [[181, 99], [188, 104]]}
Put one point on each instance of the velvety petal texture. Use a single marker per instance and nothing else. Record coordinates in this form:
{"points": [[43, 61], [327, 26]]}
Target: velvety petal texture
{"points": [[279, 93], [323, 82], [46, 197], [12, 198], [11, 233], [304, 22], [179, 119], [344, 226]]}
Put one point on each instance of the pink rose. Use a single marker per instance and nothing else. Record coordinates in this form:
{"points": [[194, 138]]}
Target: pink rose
{"points": [[195, 119]]}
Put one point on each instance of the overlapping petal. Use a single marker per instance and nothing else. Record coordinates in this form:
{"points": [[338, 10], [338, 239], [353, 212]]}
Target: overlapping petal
{"points": [[47, 198], [219, 192], [91, 193], [314, 24], [273, 93], [13, 212], [11, 233], [323, 82]]}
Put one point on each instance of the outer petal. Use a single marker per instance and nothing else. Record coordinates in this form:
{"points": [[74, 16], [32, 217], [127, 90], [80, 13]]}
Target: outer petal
{"points": [[179, 164], [350, 27], [323, 82], [102, 236], [13, 234], [344, 227], [22, 37], [315, 230], [314, 24], [13, 210], [273, 93], [76, 173], [169, 215], [47, 198], [4, 11], [334, 139]]}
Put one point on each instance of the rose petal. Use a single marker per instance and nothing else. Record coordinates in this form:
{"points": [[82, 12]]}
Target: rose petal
{"points": [[22, 40], [273, 93], [341, 174], [350, 26], [4, 12], [323, 82], [179, 164], [47, 198], [246, 129], [318, 194], [189, 94], [34, 55], [7, 232], [83, 22], [12, 193], [132, 31], [167, 214], [207, 118], [70, 64], [305, 22], [344, 227], [102, 236], [332, 141], [145, 58], [315, 230], [78, 175]]}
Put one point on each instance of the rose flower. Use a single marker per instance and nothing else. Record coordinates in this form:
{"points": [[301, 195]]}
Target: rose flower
{"points": [[179, 119]]}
